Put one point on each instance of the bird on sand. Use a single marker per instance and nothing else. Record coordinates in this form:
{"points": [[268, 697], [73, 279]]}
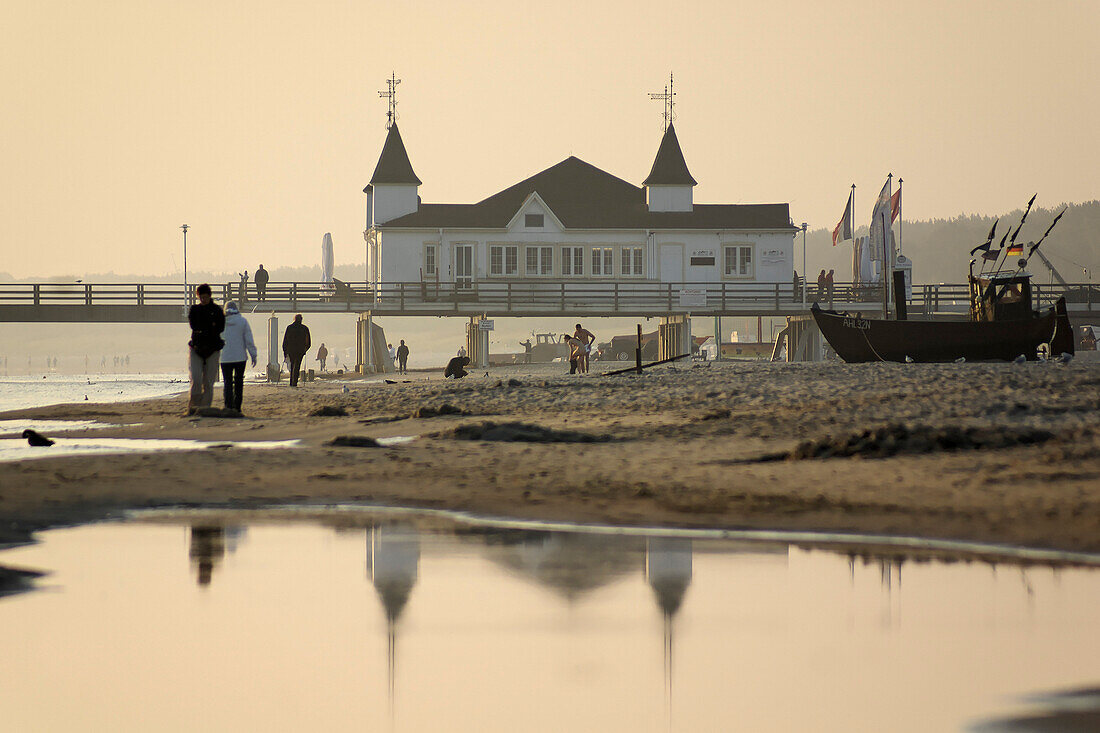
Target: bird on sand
{"points": [[1019, 359], [1065, 358], [37, 439], [909, 359]]}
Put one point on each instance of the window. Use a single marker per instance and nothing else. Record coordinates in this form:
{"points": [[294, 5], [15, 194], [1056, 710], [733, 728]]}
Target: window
{"points": [[539, 260], [632, 261], [503, 259], [532, 221], [738, 260], [431, 259], [601, 262], [572, 261]]}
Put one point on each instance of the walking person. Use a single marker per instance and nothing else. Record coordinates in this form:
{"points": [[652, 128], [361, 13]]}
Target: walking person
{"points": [[821, 286], [261, 279], [238, 342], [296, 345], [322, 354], [587, 338], [207, 322], [403, 357], [392, 352], [829, 287]]}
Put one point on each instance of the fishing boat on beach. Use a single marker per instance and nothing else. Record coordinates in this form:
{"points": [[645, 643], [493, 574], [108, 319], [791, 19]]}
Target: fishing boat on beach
{"points": [[1003, 322]]}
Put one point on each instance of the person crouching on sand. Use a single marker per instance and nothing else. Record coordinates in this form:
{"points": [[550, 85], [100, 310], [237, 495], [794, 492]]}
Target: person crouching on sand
{"points": [[238, 340], [207, 323], [456, 367]]}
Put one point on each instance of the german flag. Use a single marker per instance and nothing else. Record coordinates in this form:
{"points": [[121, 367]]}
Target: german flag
{"points": [[1015, 249]]}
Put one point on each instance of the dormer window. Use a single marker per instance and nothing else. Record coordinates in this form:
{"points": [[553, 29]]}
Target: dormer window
{"points": [[532, 221]]}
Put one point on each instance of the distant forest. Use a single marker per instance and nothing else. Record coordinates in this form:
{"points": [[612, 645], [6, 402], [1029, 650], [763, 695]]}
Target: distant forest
{"points": [[940, 248]]}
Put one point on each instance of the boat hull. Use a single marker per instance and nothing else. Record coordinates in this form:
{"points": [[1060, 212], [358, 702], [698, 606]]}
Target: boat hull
{"points": [[868, 339]]}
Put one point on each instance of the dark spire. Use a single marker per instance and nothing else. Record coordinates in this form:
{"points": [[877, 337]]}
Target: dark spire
{"points": [[393, 164], [669, 167]]}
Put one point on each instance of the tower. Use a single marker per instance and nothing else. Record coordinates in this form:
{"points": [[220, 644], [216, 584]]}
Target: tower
{"points": [[392, 191], [669, 185]]}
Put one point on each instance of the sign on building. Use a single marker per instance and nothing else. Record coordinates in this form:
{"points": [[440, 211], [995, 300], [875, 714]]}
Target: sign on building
{"points": [[485, 324], [693, 298]]}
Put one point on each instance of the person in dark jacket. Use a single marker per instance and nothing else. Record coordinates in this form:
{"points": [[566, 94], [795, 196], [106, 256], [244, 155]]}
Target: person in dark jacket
{"points": [[296, 345], [207, 323], [455, 367], [403, 358], [261, 277]]}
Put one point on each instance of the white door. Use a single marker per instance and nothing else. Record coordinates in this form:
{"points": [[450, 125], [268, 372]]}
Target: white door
{"points": [[464, 266], [672, 263]]}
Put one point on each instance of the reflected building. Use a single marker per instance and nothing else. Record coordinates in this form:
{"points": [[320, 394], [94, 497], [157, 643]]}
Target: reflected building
{"points": [[570, 564], [393, 566]]}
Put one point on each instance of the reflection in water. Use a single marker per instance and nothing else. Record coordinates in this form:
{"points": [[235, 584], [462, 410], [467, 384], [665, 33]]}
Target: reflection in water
{"points": [[393, 563], [533, 631], [570, 564], [668, 572], [207, 549], [209, 544]]}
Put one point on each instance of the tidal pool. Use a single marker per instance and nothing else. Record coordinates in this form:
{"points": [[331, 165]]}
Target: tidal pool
{"points": [[237, 621]]}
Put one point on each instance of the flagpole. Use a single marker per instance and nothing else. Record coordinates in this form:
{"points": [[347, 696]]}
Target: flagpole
{"points": [[885, 256], [901, 219]]}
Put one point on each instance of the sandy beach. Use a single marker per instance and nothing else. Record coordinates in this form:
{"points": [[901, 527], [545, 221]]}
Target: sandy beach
{"points": [[988, 452]]}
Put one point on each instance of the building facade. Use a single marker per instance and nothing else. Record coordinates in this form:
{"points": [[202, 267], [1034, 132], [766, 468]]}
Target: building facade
{"points": [[572, 222]]}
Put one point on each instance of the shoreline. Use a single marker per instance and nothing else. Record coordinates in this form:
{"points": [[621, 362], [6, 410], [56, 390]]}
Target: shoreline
{"points": [[678, 446]]}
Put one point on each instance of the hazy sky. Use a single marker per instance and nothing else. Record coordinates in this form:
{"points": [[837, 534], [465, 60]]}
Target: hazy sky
{"points": [[259, 123]]}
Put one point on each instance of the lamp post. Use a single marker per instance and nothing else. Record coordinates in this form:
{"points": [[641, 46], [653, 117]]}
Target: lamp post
{"points": [[186, 290], [804, 227]]}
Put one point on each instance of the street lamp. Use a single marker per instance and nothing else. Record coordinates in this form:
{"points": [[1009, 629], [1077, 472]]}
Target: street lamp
{"points": [[186, 292], [804, 227]]}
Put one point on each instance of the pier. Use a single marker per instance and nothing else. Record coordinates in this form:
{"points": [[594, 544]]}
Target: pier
{"points": [[167, 302]]}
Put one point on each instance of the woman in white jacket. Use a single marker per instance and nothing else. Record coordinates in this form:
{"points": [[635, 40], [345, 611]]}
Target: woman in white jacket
{"points": [[238, 340]]}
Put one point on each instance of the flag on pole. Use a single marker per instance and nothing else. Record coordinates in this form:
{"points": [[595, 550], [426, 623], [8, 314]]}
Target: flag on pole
{"points": [[880, 228], [1015, 248], [843, 229], [895, 205]]}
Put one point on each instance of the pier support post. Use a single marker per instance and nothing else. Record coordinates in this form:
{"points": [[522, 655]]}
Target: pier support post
{"points": [[674, 336], [477, 344], [274, 350], [364, 344]]}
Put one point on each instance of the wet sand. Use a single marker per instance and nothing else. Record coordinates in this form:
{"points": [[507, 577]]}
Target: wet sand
{"points": [[677, 446]]}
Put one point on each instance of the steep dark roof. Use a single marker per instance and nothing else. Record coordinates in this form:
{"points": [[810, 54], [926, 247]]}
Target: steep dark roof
{"points": [[584, 197], [669, 167], [393, 164]]}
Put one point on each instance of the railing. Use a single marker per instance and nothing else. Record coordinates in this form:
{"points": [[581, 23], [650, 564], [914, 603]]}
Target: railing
{"points": [[525, 296]]}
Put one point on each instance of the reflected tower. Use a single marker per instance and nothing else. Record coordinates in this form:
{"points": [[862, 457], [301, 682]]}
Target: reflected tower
{"points": [[393, 565], [206, 550], [668, 570]]}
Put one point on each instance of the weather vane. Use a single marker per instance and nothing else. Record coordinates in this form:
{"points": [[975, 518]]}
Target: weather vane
{"points": [[667, 100], [390, 95]]}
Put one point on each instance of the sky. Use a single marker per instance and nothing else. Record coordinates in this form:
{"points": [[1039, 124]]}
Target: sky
{"points": [[259, 123]]}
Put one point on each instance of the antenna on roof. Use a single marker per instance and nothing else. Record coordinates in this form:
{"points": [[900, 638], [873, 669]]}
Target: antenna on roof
{"points": [[666, 98], [391, 96]]}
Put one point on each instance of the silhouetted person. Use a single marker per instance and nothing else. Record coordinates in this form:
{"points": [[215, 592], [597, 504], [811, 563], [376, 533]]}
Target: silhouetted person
{"points": [[296, 345], [322, 355], [244, 287], [526, 351], [207, 323], [402, 357], [261, 279], [455, 367], [238, 341], [821, 285], [829, 286]]}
